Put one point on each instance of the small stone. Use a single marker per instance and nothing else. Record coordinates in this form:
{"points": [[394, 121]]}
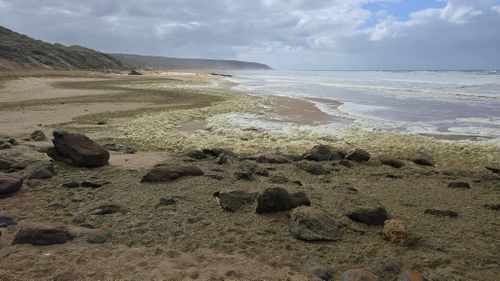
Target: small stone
{"points": [[39, 170], [165, 173], [411, 276], [364, 209], [390, 161], [6, 220], [388, 268], [310, 224], [168, 201], [78, 218], [493, 207], [278, 179], [120, 148], [98, 236], [197, 154], [422, 159], [459, 184], [277, 199], [362, 274], [346, 163], [5, 164], [262, 172], [5, 145], [38, 135], [441, 213], [42, 235], [9, 185], [312, 168], [106, 209], [71, 184], [358, 155], [232, 201], [396, 232], [226, 159], [324, 273], [94, 183], [494, 169], [244, 175]]}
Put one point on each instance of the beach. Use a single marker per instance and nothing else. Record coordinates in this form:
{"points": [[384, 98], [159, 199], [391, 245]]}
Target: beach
{"points": [[165, 116]]}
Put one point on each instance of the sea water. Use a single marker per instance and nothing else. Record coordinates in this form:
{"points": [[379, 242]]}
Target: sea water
{"points": [[459, 103]]}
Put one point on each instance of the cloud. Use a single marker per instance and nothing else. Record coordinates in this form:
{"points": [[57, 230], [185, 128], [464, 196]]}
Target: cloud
{"points": [[312, 34]]}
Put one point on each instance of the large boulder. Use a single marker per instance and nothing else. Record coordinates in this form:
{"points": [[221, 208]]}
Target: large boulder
{"points": [[364, 209], [39, 170], [313, 168], [232, 201], [42, 235], [277, 199], [310, 224], [323, 152], [165, 173], [358, 155], [78, 150], [9, 185]]}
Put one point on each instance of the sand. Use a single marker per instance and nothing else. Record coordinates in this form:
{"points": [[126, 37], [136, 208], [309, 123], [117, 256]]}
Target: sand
{"points": [[195, 239]]}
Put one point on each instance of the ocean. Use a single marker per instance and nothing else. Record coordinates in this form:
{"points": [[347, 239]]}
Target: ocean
{"points": [[443, 103]]}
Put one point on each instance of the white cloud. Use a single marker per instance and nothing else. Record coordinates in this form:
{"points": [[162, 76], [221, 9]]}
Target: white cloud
{"points": [[284, 33]]}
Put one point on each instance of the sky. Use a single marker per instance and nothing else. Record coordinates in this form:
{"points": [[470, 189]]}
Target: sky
{"points": [[293, 34]]}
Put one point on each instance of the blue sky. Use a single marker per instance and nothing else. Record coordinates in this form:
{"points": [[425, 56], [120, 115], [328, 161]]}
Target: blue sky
{"points": [[286, 34]]}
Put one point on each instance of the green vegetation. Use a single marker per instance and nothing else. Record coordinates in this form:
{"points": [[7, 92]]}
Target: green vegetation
{"points": [[21, 51]]}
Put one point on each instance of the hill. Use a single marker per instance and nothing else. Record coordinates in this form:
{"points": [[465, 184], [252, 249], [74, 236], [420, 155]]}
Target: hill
{"points": [[18, 51], [184, 63]]}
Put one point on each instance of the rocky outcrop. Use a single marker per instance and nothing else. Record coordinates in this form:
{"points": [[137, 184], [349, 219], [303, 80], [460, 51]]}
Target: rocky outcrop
{"points": [[9, 185], [310, 224], [232, 201], [323, 152], [78, 150], [42, 235], [277, 199], [364, 209], [358, 155], [165, 173]]}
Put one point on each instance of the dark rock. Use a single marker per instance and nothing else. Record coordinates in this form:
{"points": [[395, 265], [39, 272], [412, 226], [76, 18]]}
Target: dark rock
{"points": [[168, 201], [5, 164], [441, 213], [120, 148], [5, 145], [272, 157], [94, 183], [310, 224], [78, 149], [324, 153], [346, 163], [358, 155], [106, 209], [6, 220], [422, 159], [459, 184], [39, 170], [226, 159], [38, 135], [6, 139], [196, 154], [9, 185], [298, 183], [134, 72], [364, 209], [411, 276], [171, 172], [396, 232], [278, 179], [246, 171], [232, 201], [362, 274], [42, 235], [493, 207], [324, 273], [277, 199], [262, 172], [216, 152], [494, 169], [312, 168], [71, 184], [244, 175], [391, 161], [101, 123], [98, 236]]}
